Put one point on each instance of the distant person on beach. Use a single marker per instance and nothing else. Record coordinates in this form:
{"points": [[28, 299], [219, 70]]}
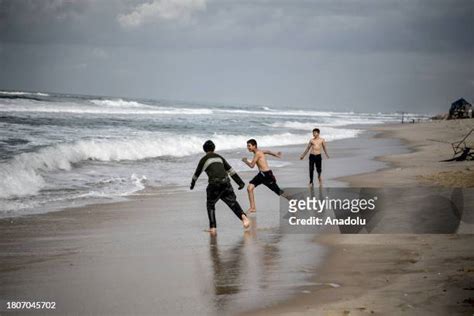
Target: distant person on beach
{"points": [[315, 145], [265, 175], [219, 187]]}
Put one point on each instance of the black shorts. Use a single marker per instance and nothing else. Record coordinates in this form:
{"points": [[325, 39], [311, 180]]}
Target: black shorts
{"points": [[268, 179]]}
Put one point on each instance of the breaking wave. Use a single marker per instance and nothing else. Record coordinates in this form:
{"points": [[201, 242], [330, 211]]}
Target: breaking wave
{"points": [[23, 174]]}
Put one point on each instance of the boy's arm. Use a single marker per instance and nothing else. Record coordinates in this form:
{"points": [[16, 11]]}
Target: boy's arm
{"points": [[233, 174], [324, 148], [306, 150], [252, 163], [197, 173], [271, 153]]}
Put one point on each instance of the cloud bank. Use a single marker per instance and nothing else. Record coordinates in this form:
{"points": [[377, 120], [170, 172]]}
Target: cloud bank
{"points": [[356, 55], [161, 10]]}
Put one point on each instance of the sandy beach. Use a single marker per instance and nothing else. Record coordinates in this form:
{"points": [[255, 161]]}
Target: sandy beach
{"points": [[149, 255], [429, 143]]}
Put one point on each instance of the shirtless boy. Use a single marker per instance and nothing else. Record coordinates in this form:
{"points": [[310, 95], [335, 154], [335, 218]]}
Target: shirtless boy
{"points": [[315, 145], [265, 175]]}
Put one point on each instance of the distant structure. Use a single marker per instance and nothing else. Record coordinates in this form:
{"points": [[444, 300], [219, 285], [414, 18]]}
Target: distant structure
{"points": [[460, 109]]}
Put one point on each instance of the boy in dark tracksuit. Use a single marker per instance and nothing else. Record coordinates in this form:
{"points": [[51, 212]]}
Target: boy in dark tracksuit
{"points": [[219, 187]]}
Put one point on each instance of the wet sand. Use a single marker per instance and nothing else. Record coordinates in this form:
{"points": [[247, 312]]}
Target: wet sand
{"points": [[150, 256]]}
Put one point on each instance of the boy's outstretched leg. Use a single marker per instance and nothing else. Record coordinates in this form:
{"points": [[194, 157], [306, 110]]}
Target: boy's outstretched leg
{"points": [[272, 184], [250, 189], [229, 198]]}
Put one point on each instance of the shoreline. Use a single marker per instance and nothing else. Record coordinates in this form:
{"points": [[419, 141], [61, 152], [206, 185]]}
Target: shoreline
{"points": [[382, 158]]}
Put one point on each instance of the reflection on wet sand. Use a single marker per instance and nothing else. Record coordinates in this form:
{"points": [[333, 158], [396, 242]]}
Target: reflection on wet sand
{"points": [[256, 268]]}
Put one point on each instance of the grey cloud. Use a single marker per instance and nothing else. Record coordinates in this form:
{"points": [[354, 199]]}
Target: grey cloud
{"points": [[366, 25], [161, 10], [358, 55]]}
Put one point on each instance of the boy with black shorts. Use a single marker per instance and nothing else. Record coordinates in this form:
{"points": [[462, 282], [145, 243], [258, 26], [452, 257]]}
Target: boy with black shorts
{"points": [[219, 187], [265, 175], [315, 159]]}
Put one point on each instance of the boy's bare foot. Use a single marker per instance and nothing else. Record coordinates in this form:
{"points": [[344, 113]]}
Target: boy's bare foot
{"points": [[245, 221], [211, 231], [320, 181], [311, 184], [251, 210]]}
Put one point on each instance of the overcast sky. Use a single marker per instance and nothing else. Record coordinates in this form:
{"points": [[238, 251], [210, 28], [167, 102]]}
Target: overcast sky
{"points": [[367, 55]]}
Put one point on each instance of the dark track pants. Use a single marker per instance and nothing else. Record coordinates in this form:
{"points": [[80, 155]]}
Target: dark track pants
{"points": [[314, 160], [224, 192]]}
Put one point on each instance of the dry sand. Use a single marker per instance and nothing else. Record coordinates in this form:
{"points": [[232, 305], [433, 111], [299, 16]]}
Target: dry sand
{"points": [[430, 143]]}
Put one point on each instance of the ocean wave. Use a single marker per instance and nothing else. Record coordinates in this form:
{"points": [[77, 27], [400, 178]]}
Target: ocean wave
{"points": [[137, 109], [308, 126], [118, 103], [20, 93], [138, 182], [23, 174], [132, 107], [274, 112], [121, 106]]}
